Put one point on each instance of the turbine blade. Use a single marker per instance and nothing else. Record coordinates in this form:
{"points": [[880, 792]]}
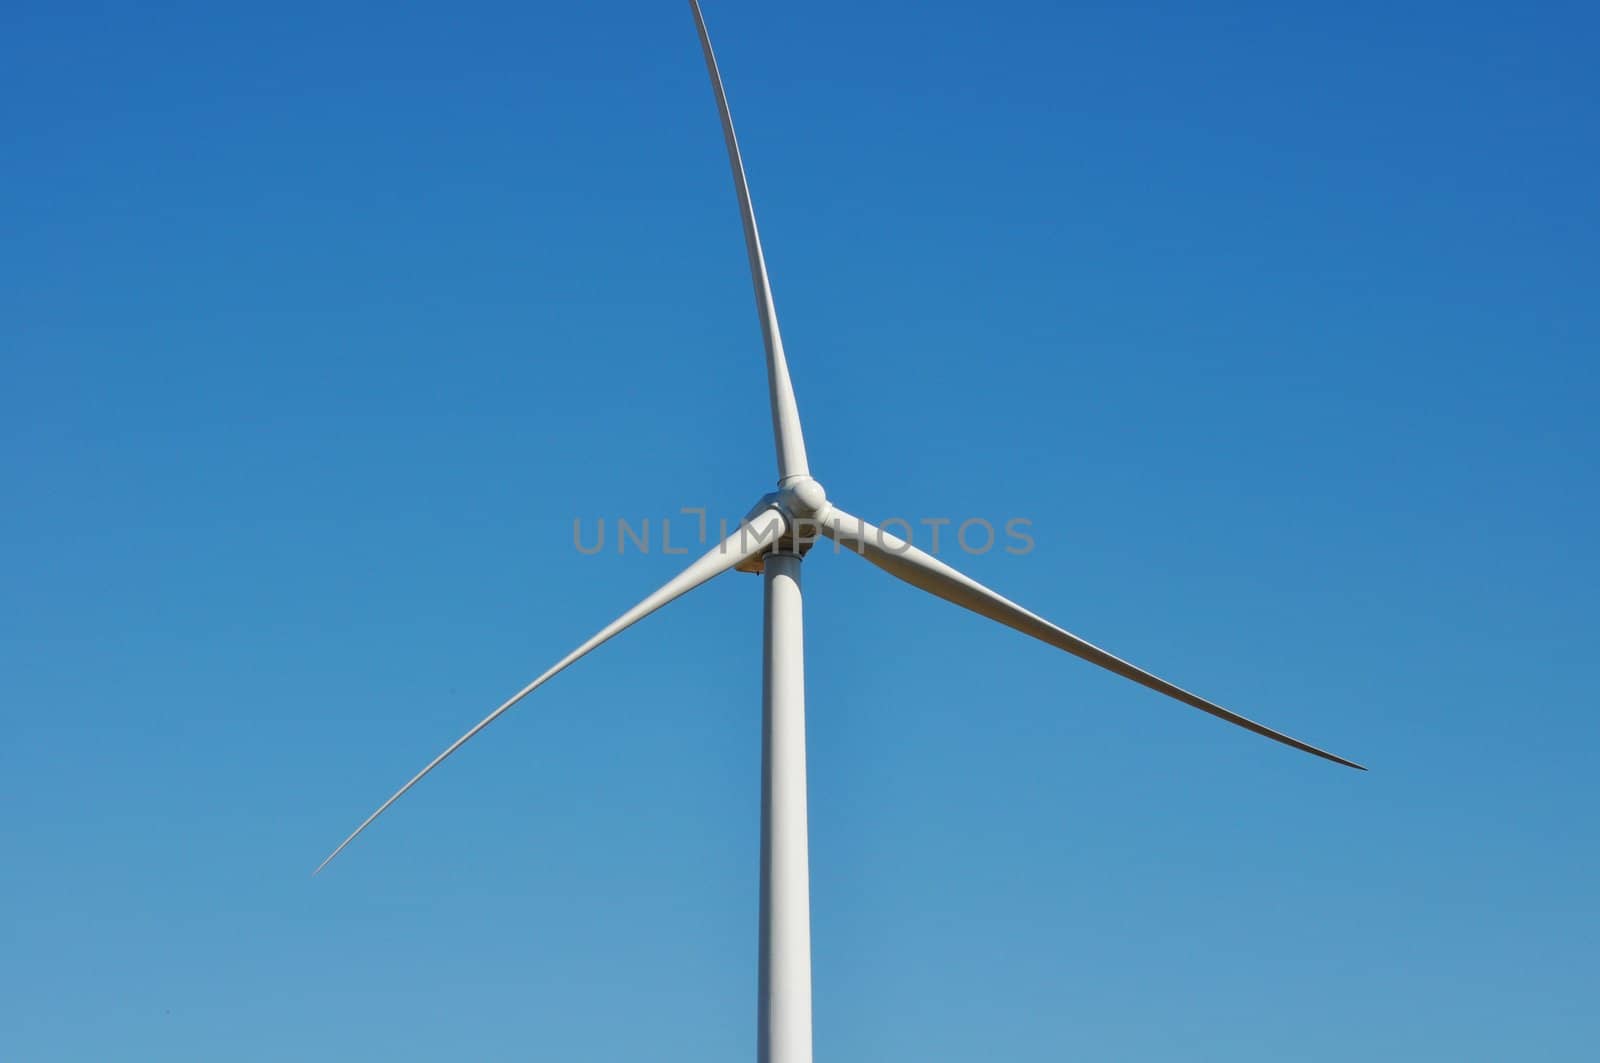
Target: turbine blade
{"points": [[785, 414], [755, 534], [900, 558]]}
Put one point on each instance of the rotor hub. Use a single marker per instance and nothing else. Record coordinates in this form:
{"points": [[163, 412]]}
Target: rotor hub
{"points": [[803, 498]]}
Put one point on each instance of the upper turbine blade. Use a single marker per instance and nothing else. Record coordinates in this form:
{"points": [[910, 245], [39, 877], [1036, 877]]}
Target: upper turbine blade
{"points": [[785, 414], [755, 534], [899, 558]]}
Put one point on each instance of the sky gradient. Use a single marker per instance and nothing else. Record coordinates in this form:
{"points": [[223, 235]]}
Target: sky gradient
{"points": [[321, 327]]}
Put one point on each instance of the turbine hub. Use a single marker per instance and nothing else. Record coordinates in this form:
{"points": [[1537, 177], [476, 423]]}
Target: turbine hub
{"points": [[803, 498]]}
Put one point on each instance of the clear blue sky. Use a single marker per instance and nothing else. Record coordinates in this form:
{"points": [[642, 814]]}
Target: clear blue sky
{"points": [[320, 326]]}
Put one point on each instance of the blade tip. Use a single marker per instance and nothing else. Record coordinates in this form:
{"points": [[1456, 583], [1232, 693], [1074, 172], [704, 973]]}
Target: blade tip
{"points": [[1347, 763]]}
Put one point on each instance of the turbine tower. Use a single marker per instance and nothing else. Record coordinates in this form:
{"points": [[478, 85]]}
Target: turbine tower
{"points": [[772, 540]]}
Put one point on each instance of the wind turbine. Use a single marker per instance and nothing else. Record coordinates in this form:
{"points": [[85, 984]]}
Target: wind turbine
{"points": [[772, 539]]}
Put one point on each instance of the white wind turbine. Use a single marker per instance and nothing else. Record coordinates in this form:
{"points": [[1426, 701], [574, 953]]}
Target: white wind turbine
{"points": [[772, 540]]}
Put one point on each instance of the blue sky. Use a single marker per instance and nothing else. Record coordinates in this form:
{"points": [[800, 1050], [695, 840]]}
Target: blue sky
{"points": [[322, 326]]}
